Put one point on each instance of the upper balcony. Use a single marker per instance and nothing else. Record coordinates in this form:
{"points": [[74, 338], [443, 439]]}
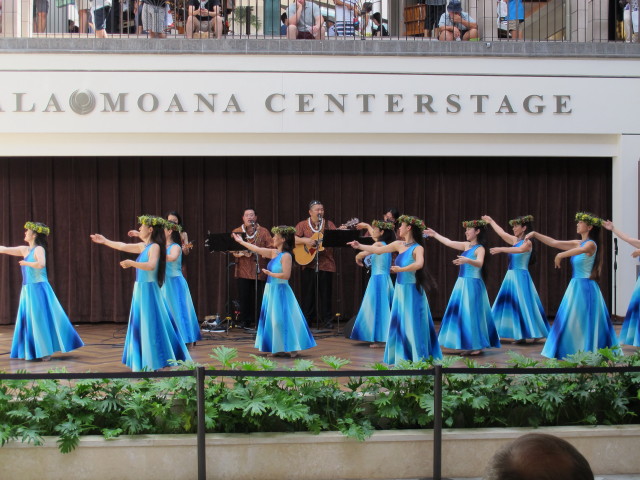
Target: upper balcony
{"points": [[542, 28]]}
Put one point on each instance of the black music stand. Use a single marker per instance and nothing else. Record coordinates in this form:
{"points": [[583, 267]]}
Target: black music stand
{"points": [[224, 243]]}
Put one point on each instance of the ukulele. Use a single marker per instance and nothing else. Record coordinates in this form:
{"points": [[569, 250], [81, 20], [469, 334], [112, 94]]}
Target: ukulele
{"points": [[304, 254]]}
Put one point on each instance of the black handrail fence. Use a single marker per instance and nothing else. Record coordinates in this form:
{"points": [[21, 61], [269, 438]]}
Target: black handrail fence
{"points": [[538, 21], [438, 372]]}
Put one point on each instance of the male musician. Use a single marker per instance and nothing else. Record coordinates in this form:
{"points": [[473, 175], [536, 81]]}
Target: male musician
{"points": [[246, 269], [316, 223]]}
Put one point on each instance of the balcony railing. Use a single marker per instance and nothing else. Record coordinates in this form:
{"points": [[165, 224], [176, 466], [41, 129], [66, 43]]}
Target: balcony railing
{"points": [[378, 20]]}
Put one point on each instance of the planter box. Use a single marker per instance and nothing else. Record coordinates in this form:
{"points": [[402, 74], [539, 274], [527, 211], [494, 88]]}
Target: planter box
{"points": [[302, 456]]}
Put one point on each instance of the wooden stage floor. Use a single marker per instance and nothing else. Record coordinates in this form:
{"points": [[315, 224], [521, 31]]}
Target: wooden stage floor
{"points": [[103, 350]]}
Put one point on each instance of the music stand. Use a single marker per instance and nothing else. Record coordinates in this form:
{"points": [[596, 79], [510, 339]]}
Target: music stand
{"points": [[223, 243]]}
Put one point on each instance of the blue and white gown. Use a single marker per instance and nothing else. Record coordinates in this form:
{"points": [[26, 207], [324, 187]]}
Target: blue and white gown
{"points": [[153, 337], [175, 291], [282, 326], [517, 310], [630, 333], [582, 322], [467, 323], [412, 335], [42, 326], [372, 322]]}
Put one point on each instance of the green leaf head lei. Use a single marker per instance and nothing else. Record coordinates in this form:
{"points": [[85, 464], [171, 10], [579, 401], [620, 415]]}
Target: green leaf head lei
{"points": [[152, 221], [37, 227], [414, 221], [589, 219], [474, 224], [383, 225], [169, 225], [283, 230], [521, 220]]}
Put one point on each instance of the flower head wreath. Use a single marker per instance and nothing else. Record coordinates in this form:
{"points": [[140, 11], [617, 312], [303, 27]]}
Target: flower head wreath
{"points": [[474, 224], [521, 220], [37, 227], [169, 225], [152, 221], [383, 225], [589, 219], [409, 220], [283, 230]]}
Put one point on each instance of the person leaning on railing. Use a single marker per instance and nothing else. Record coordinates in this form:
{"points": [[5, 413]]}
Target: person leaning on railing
{"points": [[304, 21], [205, 18], [457, 25]]}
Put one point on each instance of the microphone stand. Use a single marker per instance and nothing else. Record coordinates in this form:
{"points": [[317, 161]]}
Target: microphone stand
{"points": [[317, 279], [615, 275]]}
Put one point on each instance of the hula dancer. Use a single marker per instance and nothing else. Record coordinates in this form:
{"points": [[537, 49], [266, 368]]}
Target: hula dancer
{"points": [[372, 321], [467, 324], [630, 333], [175, 289], [517, 310], [582, 322], [42, 326], [282, 327], [153, 338], [412, 335]]}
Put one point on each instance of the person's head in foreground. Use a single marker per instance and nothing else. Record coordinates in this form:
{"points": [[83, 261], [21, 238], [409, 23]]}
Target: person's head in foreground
{"points": [[537, 456]]}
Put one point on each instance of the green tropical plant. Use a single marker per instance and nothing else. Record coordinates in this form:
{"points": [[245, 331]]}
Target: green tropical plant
{"points": [[33, 409]]}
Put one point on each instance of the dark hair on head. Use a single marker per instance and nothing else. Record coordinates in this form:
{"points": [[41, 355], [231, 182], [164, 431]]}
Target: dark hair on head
{"points": [[158, 236], [394, 212], [314, 202], [177, 215], [289, 240], [595, 234], [528, 226], [41, 238], [175, 237], [388, 236], [424, 279], [250, 208], [378, 18], [538, 456], [283, 17]]}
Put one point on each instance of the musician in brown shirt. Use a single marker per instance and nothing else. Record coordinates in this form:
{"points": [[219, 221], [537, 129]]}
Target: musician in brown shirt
{"points": [[326, 267], [246, 269]]}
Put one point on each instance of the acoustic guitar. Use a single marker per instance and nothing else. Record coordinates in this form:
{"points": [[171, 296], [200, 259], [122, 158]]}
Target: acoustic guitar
{"points": [[304, 254]]}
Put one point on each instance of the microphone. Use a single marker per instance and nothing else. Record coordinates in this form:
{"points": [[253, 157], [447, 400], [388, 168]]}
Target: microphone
{"points": [[615, 246]]}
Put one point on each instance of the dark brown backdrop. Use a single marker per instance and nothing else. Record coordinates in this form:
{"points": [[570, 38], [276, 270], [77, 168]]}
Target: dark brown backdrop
{"points": [[80, 196]]}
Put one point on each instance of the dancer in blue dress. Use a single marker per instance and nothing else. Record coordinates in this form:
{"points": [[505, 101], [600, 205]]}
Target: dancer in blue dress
{"points": [[153, 338], [175, 289], [42, 326], [372, 321], [630, 333], [582, 322], [282, 327], [412, 335], [517, 310], [467, 324]]}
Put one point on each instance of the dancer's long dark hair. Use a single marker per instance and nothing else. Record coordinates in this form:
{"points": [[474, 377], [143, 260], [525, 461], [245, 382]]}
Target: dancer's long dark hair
{"points": [[529, 228], [158, 236], [388, 236], [595, 234], [289, 240], [424, 279], [41, 238]]}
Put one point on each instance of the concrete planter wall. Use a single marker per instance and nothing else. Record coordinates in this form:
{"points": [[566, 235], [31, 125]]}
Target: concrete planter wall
{"points": [[302, 456]]}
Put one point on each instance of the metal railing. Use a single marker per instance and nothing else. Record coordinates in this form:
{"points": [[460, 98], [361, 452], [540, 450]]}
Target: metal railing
{"points": [[408, 20], [438, 372]]}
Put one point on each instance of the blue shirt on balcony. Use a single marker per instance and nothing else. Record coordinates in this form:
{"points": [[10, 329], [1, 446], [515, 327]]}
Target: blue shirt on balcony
{"points": [[446, 21]]}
